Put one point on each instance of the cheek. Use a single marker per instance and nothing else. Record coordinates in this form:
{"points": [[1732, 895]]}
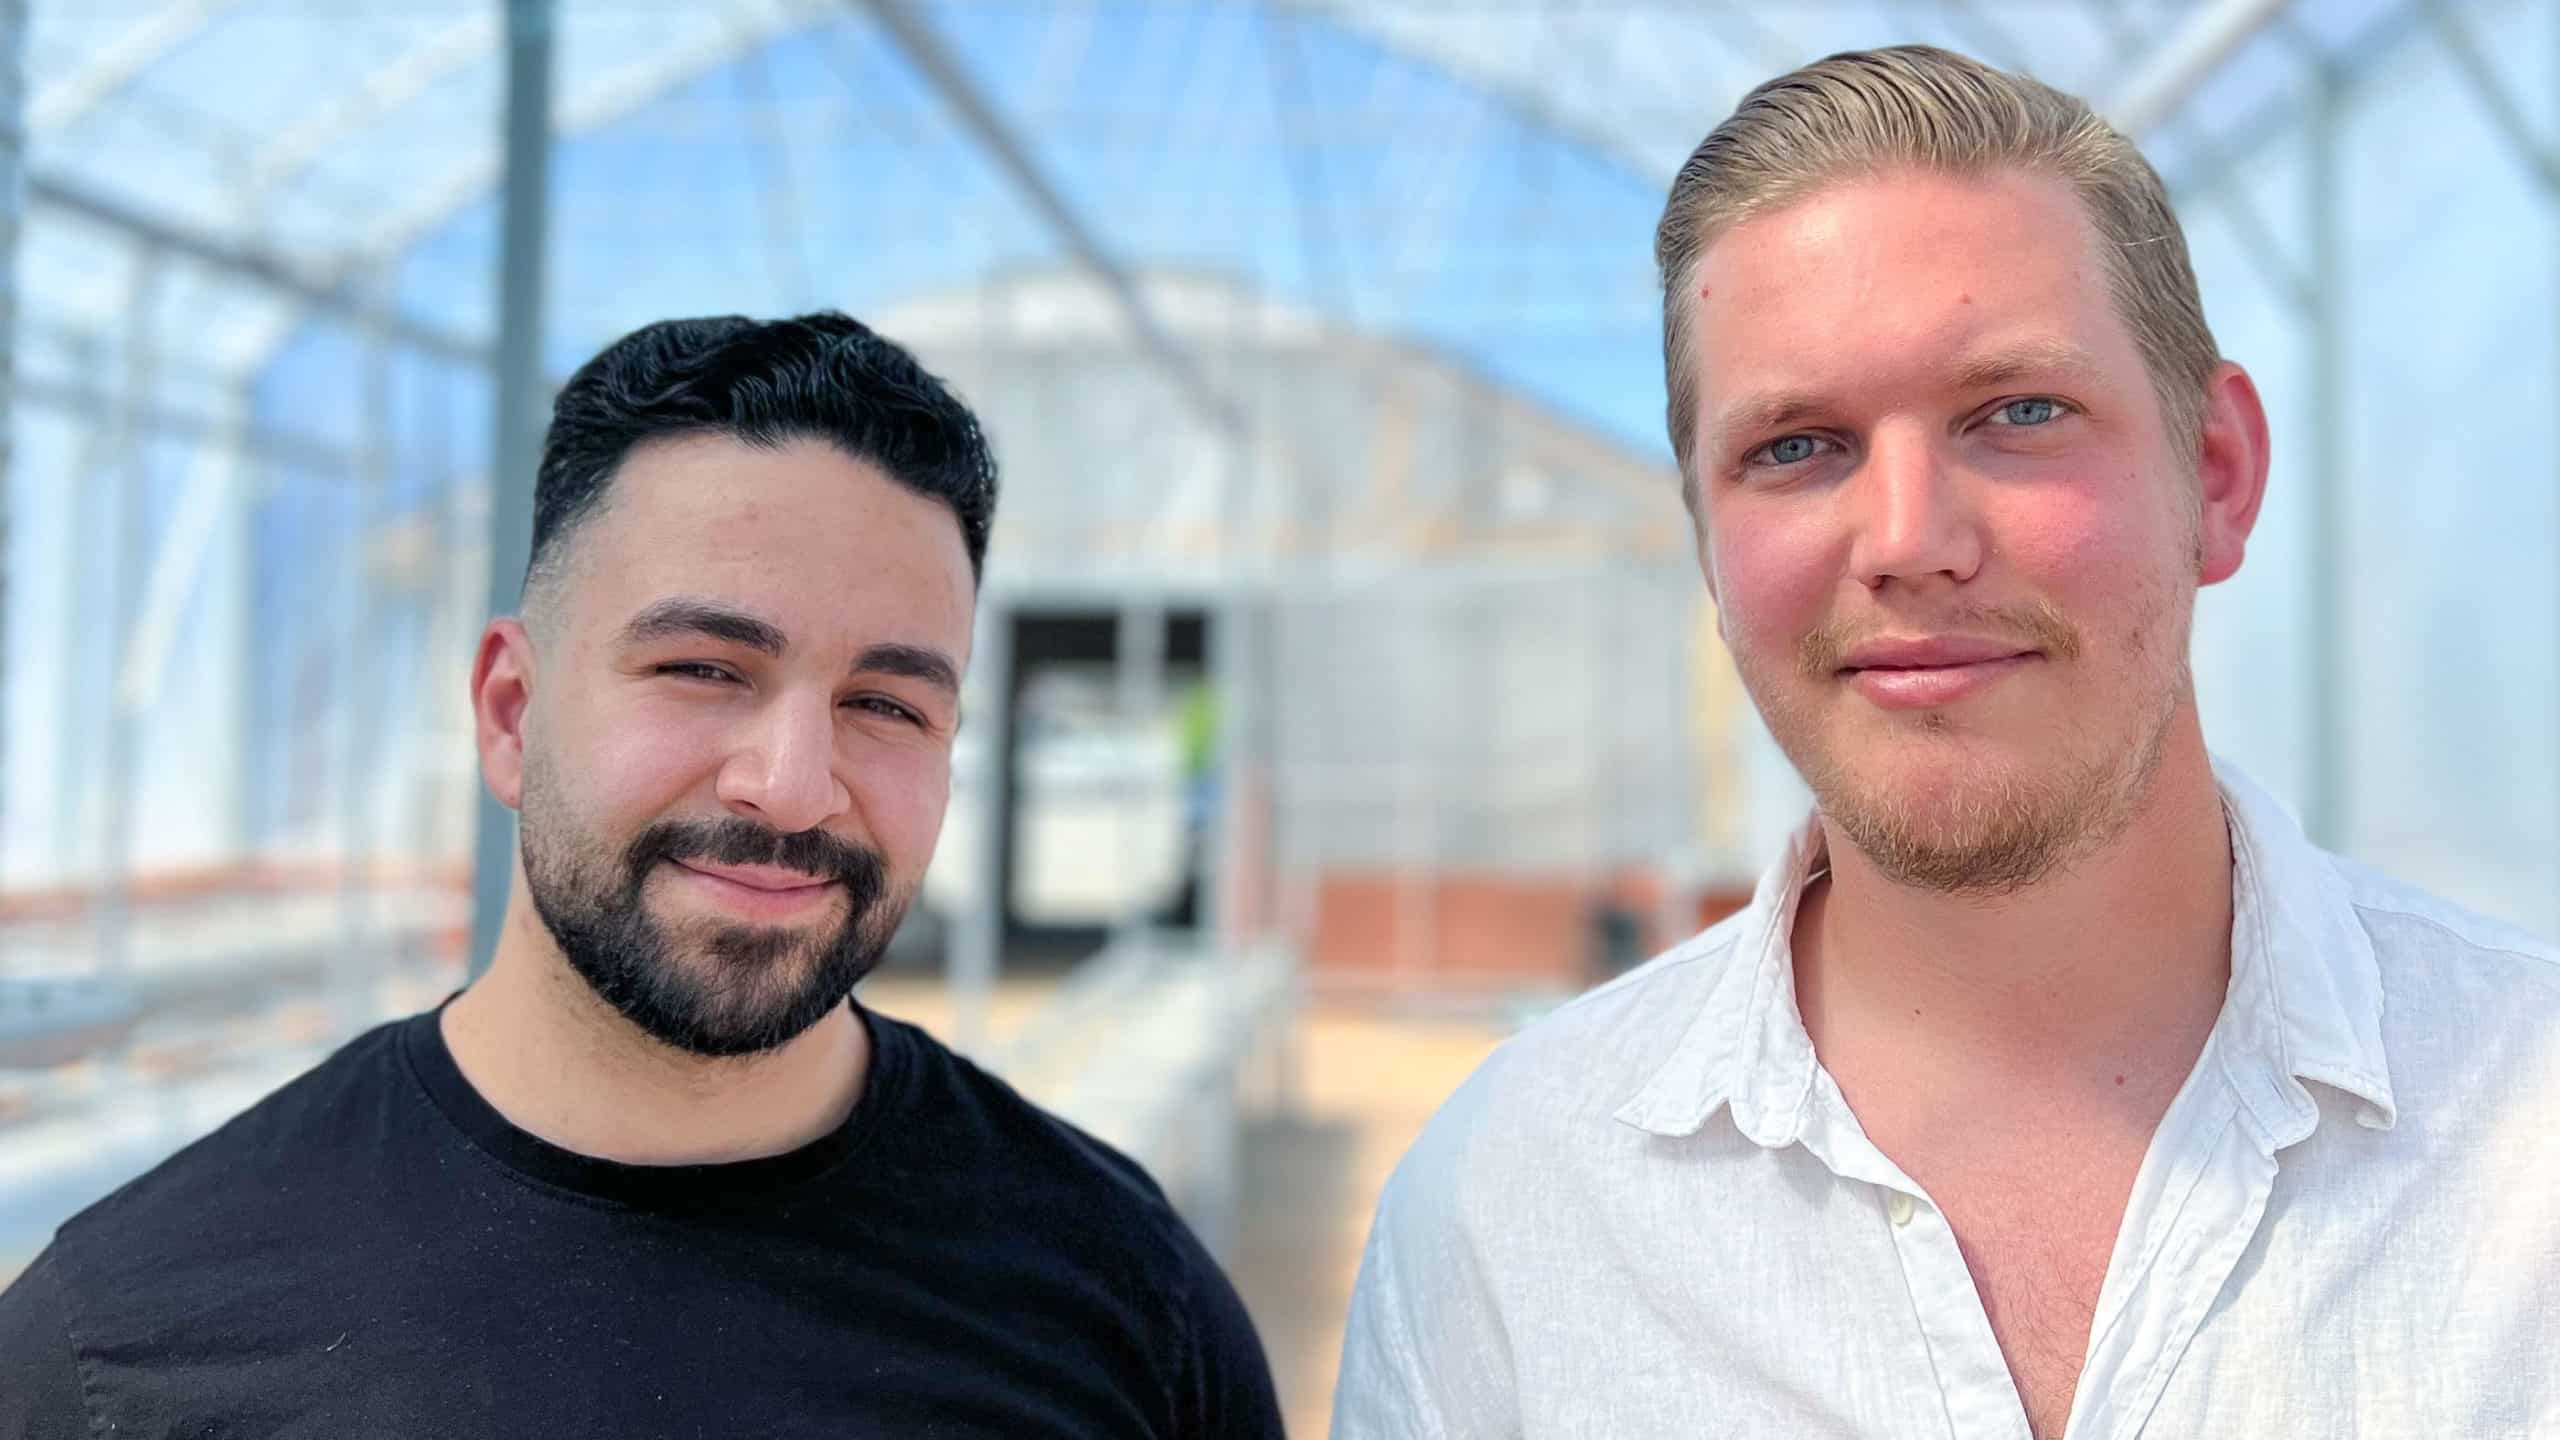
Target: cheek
{"points": [[1774, 581], [2085, 551], [638, 767], [901, 796]]}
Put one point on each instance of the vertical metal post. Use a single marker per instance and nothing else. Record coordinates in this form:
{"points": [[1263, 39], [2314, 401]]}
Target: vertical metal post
{"points": [[974, 947], [1226, 846], [2540, 158], [524, 198], [449, 619], [1234, 664], [13, 95], [252, 480], [1417, 790], [1137, 656], [361, 752], [76, 720], [462, 598], [1603, 709], [2325, 815], [977, 937], [131, 469]]}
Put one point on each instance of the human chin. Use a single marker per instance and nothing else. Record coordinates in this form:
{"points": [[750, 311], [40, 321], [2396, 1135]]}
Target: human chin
{"points": [[701, 981], [716, 989], [1982, 829]]}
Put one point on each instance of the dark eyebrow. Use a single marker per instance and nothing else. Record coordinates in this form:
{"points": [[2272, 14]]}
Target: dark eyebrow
{"points": [[690, 615], [915, 662]]}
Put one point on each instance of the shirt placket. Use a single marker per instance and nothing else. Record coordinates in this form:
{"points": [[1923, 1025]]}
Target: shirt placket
{"points": [[2179, 1241], [1973, 1377], [1979, 1400], [2187, 1235]]}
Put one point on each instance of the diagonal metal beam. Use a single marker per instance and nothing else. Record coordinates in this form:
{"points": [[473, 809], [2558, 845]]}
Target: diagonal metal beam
{"points": [[2280, 117], [1532, 109], [2258, 242], [2212, 34], [1989, 38], [2289, 280], [1771, 49], [2123, 31], [1319, 244], [286, 155], [595, 102], [2538, 155], [600, 101], [66, 97], [941, 69], [98, 406], [57, 192]]}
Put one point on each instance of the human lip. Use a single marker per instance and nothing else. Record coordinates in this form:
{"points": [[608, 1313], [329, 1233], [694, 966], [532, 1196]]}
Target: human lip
{"points": [[1930, 652], [763, 892], [1930, 671]]}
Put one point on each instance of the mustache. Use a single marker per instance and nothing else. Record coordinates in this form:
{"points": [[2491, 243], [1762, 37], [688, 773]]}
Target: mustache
{"points": [[736, 840], [2037, 625]]}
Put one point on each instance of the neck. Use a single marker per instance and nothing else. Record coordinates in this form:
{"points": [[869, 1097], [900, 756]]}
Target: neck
{"points": [[547, 1053], [2114, 965]]}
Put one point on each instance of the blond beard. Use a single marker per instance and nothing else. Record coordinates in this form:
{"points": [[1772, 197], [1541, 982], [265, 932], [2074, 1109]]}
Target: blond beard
{"points": [[1987, 842], [2000, 834]]}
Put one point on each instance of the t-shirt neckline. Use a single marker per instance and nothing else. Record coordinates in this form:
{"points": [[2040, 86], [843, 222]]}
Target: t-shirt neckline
{"points": [[731, 1182]]}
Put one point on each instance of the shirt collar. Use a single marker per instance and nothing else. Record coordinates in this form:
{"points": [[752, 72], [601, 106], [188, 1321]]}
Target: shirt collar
{"points": [[1747, 1049], [2305, 1001], [2306, 989]]}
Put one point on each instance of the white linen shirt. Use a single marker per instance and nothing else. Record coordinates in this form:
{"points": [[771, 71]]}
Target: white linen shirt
{"points": [[1652, 1213]]}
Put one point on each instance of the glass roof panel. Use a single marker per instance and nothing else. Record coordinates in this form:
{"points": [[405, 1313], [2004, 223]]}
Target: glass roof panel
{"points": [[767, 154]]}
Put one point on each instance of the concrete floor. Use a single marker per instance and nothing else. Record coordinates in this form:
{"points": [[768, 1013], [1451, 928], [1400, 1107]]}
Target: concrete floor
{"points": [[1311, 1182]]}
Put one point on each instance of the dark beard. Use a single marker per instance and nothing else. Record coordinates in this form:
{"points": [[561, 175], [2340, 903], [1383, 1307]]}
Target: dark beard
{"points": [[744, 989]]}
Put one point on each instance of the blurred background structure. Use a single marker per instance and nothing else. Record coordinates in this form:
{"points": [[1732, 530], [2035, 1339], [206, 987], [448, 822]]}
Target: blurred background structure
{"points": [[1345, 690]]}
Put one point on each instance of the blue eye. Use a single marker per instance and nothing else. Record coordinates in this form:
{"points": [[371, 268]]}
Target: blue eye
{"points": [[2033, 411], [1792, 450]]}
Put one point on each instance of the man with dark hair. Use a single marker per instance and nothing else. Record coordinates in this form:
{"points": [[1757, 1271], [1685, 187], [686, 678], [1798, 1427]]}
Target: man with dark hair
{"points": [[656, 1173]]}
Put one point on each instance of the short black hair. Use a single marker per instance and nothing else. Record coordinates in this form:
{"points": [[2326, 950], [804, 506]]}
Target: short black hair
{"points": [[823, 376]]}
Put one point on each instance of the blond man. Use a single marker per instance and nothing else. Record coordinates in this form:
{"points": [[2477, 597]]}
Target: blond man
{"points": [[2052, 1084]]}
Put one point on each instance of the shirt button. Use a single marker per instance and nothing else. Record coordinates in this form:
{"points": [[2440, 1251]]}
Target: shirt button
{"points": [[1898, 1207]]}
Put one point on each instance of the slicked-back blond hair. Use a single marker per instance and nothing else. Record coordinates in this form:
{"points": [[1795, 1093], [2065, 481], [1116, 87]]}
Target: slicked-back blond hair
{"points": [[1916, 107]]}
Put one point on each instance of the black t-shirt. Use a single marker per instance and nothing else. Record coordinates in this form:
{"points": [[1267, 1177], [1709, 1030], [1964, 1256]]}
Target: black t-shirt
{"points": [[374, 1251]]}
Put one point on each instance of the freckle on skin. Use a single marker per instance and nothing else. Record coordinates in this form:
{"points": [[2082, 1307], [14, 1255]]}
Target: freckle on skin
{"points": [[2119, 1079], [1704, 291]]}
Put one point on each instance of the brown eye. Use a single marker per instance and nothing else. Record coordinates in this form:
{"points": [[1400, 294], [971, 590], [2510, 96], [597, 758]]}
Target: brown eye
{"points": [[890, 709]]}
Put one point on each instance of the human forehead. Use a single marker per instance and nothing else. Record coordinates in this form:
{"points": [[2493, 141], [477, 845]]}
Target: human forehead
{"points": [[1907, 265], [820, 543]]}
